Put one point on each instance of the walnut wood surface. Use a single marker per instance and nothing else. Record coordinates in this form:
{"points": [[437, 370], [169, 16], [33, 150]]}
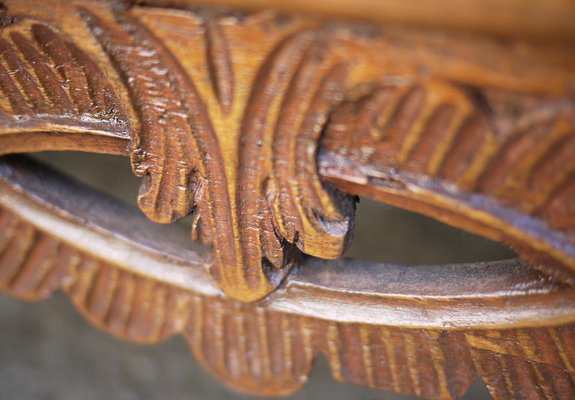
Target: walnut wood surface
{"points": [[266, 126], [487, 146], [500, 321]]}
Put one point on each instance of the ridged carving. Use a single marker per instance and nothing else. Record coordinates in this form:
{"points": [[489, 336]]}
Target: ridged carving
{"points": [[264, 127], [433, 129], [275, 201], [462, 144], [52, 87], [269, 352], [228, 115]]}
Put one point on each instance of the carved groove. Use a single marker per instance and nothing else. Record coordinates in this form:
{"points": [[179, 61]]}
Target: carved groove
{"points": [[51, 86], [267, 352], [434, 133], [29, 260], [220, 65]]}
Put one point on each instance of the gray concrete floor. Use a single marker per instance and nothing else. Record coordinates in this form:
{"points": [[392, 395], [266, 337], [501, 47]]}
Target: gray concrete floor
{"points": [[48, 351]]}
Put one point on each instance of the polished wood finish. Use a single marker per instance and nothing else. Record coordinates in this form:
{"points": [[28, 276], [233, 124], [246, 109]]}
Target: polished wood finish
{"points": [[266, 126], [427, 331]]}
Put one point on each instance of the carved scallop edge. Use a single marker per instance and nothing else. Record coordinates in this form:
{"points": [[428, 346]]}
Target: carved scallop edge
{"points": [[256, 349], [548, 248]]}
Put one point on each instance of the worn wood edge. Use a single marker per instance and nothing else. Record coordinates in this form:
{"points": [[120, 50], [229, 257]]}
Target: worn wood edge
{"points": [[89, 221], [477, 213], [422, 297], [466, 92], [268, 348]]}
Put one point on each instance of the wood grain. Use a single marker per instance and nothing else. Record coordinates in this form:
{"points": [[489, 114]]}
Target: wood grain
{"points": [[549, 20], [264, 127], [268, 347], [38, 105], [225, 114]]}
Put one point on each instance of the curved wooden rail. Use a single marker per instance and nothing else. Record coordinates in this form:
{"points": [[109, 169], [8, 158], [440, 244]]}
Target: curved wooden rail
{"points": [[266, 126], [377, 324], [486, 146]]}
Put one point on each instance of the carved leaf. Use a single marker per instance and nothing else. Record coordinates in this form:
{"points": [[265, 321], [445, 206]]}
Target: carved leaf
{"points": [[52, 87], [180, 152], [440, 143], [268, 352]]}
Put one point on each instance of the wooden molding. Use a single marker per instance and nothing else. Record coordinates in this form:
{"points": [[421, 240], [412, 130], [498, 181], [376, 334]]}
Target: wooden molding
{"points": [[542, 20], [266, 126], [205, 143], [427, 331]]}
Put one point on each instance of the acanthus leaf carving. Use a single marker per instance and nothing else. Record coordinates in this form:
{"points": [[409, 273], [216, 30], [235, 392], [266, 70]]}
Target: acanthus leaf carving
{"points": [[239, 121], [52, 87], [276, 201], [230, 128], [457, 150]]}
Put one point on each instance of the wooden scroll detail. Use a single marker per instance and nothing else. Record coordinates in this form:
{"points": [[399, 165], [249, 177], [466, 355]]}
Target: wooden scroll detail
{"points": [[257, 349], [53, 88], [451, 145], [228, 114], [274, 199], [263, 352]]}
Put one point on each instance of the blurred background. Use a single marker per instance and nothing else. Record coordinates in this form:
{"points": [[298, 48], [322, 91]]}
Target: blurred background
{"points": [[49, 352]]}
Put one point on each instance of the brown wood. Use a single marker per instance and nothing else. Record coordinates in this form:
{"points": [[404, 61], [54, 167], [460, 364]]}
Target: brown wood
{"points": [[549, 19], [266, 126], [425, 331]]}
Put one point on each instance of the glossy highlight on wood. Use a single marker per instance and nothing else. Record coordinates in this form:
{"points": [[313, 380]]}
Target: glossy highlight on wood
{"points": [[231, 155], [265, 127], [268, 347]]}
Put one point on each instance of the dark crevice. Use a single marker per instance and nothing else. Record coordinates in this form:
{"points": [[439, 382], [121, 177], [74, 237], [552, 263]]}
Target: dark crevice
{"points": [[389, 234], [382, 233], [111, 175]]}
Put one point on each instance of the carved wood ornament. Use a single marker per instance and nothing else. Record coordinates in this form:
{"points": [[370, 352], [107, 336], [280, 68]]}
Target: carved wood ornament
{"points": [[265, 127]]}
